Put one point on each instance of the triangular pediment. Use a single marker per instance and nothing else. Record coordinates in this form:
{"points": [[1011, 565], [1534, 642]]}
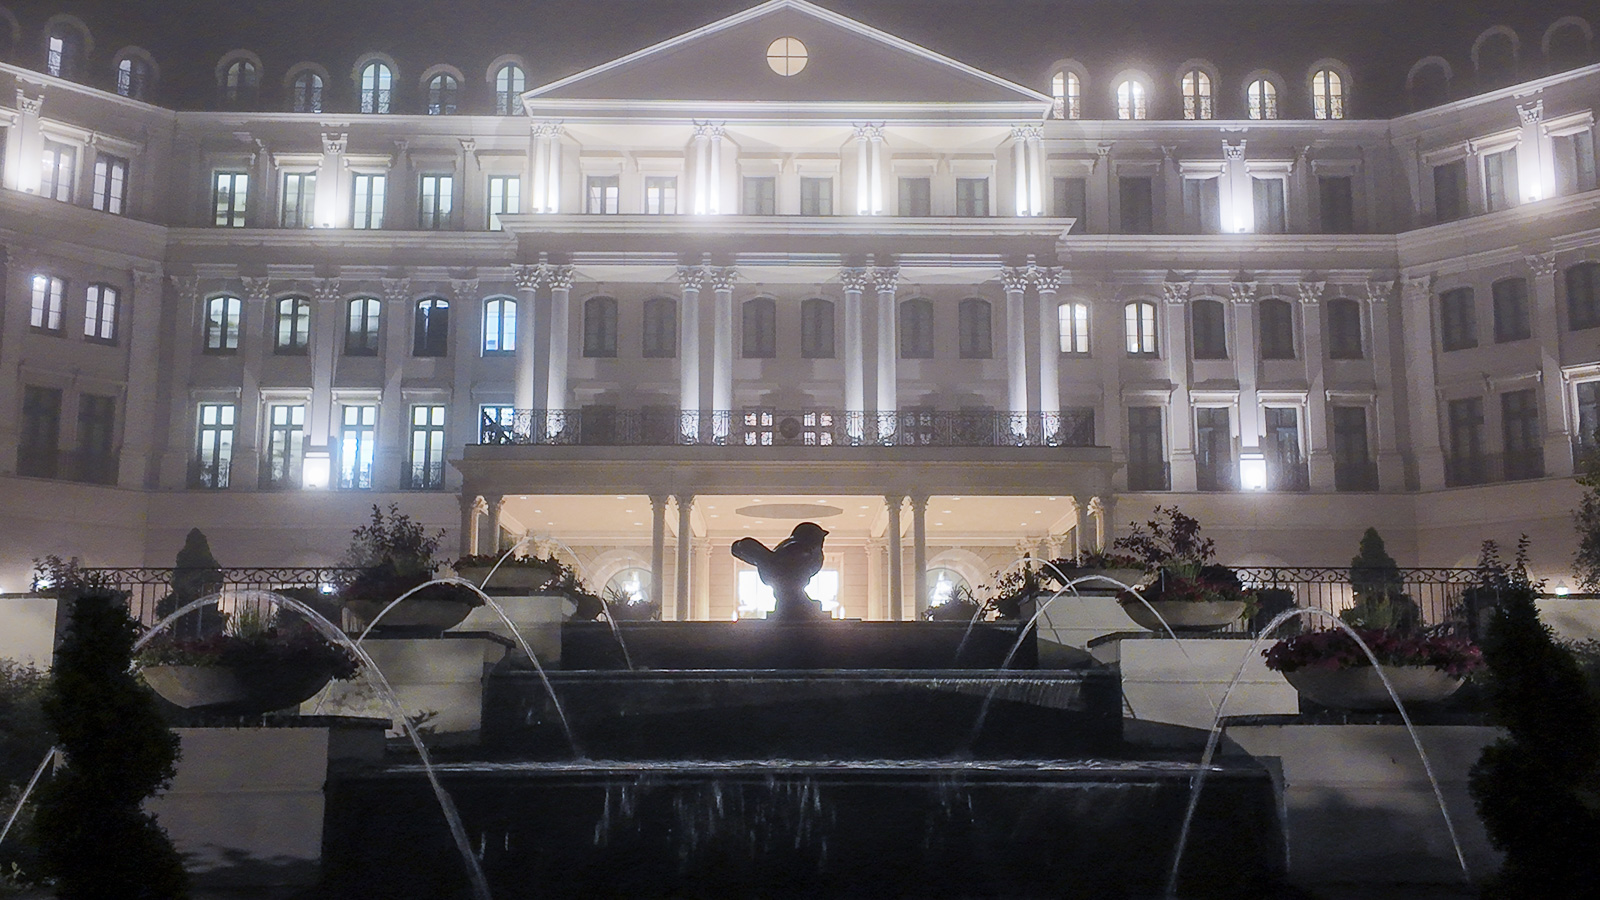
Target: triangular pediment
{"points": [[846, 62]]}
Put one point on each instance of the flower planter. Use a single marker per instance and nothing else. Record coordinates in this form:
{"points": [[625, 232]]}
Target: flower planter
{"points": [[236, 690], [1101, 580], [417, 613], [1360, 688], [1184, 615], [506, 578]]}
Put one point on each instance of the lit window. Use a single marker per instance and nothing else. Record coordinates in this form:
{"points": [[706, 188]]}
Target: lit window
{"points": [[110, 184], [239, 83], [48, 294], [367, 201], [306, 93], [499, 326], [1131, 101], [294, 326], [660, 328], [214, 446], [358, 438], [1073, 321], [1141, 328], [435, 200], [505, 198], [600, 327], [427, 447], [1327, 95], [756, 600], [786, 56], [286, 444], [58, 166], [361, 327], [972, 196], [661, 195], [1500, 183], [496, 423], [133, 78], [1066, 90], [431, 329], [222, 324], [602, 194], [1261, 99], [100, 313], [63, 50], [945, 585], [508, 87], [377, 87], [299, 200], [1197, 103], [442, 92], [229, 193]]}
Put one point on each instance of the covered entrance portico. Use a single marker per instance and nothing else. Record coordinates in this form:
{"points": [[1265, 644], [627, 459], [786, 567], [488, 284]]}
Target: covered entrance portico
{"points": [[666, 515]]}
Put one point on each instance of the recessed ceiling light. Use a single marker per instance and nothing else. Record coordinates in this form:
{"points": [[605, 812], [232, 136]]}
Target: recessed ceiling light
{"points": [[538, 510], [621, 497], [627, 510], [1038, 512], [955, 498], [715, 516], [1050, 498], [638, 523], [945, 511], [938, 523], [549, 523]]}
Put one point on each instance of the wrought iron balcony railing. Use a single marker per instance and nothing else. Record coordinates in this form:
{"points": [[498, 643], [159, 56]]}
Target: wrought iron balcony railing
{"points": [[607, 427], [1489, 467], [1355, 475]]}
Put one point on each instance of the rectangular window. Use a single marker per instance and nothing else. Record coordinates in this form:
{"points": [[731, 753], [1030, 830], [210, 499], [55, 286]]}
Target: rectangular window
{"points": [[1519, 432], [358, 439], [816, 196], [602, 194], [972, 196], [97, 439], [661, 195], [367, 203], [1511, 321], [1336, 201], [1213, 450], [1588, 414], [1267, 194], [916, 197], [57, 171], [286, 445], [110, 184], [435, 201], [1072, 324], [760, 196], [1277, 329], [505, 198], [1202, 206], [496, 423], [1574, 162], [1450, 191], [1136, 204], [229, 193], [1147, 456], [299, 202], [1070, 200], [1458, 321], [427, 447], [1286, 465], [44, 314], [38, 447], [1352, 465], [1500, 184], [1466, 464], [214, 448], [1344, 329], [1207, 320], [100, 313]]}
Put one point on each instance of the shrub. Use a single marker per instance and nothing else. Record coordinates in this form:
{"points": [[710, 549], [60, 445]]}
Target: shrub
{"points": [[1375, 579], [1336, 649]]}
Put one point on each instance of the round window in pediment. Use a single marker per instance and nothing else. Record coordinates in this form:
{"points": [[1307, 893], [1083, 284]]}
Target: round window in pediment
{"points": [[786, 56]]}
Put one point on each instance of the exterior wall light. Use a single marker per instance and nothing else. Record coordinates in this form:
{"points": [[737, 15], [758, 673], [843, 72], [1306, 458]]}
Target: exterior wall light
{"points": [[1252, 470], [1561, 588], [318, 468]]}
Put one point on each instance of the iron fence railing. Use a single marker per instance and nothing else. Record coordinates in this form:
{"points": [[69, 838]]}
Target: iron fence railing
{"points": [[1355, 475], [605, 426], [1440, 593], [151, 596], [1460, 471]]}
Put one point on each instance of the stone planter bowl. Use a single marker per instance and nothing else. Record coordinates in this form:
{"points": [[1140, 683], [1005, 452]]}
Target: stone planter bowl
{"points": [[506, 578], [235, 690], [1184, 615], [1360, 688]]}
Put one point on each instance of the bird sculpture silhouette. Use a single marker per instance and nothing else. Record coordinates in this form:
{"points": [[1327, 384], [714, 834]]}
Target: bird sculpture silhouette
{"points": [[787, 568]]}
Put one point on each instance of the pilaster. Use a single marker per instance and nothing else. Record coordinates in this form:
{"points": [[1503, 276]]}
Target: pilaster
{"points": [[1557, 439]]}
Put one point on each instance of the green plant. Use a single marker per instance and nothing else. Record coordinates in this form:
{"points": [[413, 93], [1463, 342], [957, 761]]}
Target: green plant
{"points": [[1586, 520], [1336, 649], [394, 542], [195, 573], [57, 577], [1376, 581], [961, 606], [1538, 788], [25, 738], [253, 639], [1172, 542], [118, 753]]}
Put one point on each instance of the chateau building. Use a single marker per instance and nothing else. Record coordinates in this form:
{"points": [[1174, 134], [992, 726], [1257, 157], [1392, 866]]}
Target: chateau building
{"points": [[630, 281]]}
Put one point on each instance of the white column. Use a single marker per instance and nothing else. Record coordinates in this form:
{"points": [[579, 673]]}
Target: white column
{"points": [[896, 579], [1557, 440], [23, 169], [1047, 280], [1016, 283], [1019, 170], [701, 582], [658, 548], [327, 321], [244, 474], [135, 469], [854, 282], [680, 605], [722, 338], [1391, 464], [1172, 330], [469, 523], [496, 504], [690, 277], [702, 169], [863, 171], [877, 599], [1319, 456], [1423, 419], [560, 281], [527, 280], [714, 182], [1035, 146], [884, 279], [332, 196], [877, 170], [1242, 295], [919, 552], [1079, 545], [546, 168]]}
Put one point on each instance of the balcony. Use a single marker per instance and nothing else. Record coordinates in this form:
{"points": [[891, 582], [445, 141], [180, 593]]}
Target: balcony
{"points": [[208, 476], [1461, 471], [1355, 475], [1289, 475], [1149, 476], [608, 427]]}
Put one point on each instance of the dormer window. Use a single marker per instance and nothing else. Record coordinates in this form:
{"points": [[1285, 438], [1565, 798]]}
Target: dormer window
{"points": [[1067, 91], [240, 79], [377, 87], [1131, 103], [306, 93], [1327, 94], [1197, 101], [442, 92], [509, 84], [134, 76], [1261, 99]]}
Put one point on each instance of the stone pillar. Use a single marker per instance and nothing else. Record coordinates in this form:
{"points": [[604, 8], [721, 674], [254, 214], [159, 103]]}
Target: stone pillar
{"points": [[496, 504], [391, 464], [854, 282], [1423, 418], [25, 147], [1557, 439], [658, 548], [722, 338], [527, 280], [1242, 295], [180, 442], [1048, 282], [896, 585], [21, 265], [884, 278], [135, 463], [1079, 545], [691, 278], [701, 582], [546, 168], [680, 606], [244, 471], [1319, 456], [327, 322], [1016, 284], [1099, 511], [877, 597], [919, 552], [1176, 351], [469, 523], [560, 280], [1391, 463]]}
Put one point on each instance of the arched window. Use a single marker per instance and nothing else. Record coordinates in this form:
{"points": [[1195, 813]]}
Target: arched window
{"points": [[1344, 329], [816, 329], [1197, 101], [1067, 91], [222, 324], [1140, 319], [293, 326], [499, 325], [1583, 296], [1261, 99], [442, 92], [1131, 101], [1495, 56], [305, 93], [64, 50], [431, 330], [361, 327], [1277, 329], [1327, 94], [135, 76], [1207, 322], [760, 320], [945, 585], [916, 329], [1072, 321], [376, 88], [973, 329], [660, 328], [600, 327], [508, 87], [1428, 83], [1568, 44], [240, 81]]}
